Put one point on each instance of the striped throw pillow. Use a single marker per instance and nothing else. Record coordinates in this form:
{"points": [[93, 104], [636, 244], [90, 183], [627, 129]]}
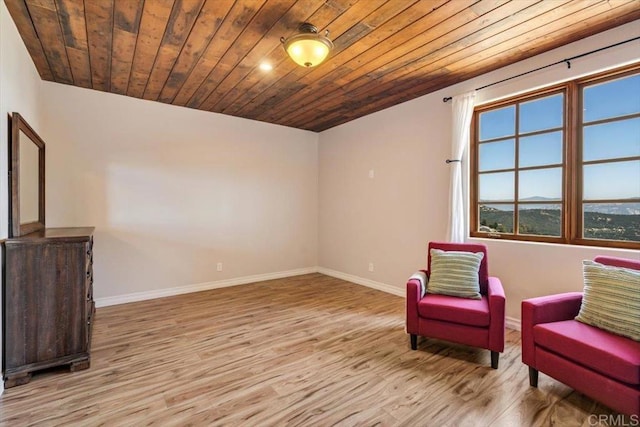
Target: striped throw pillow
{"points": [[611, 299], [455, 273]]}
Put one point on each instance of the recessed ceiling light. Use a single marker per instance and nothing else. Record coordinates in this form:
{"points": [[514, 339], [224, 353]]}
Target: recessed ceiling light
{"points": [[265, 66]]}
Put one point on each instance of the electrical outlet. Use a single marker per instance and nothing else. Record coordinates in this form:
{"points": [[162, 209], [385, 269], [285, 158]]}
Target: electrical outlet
{"points": [[219, 266], [370, 266], [372, 173]]}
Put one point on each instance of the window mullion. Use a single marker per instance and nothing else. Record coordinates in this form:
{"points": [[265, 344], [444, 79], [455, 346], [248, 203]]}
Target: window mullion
{"points": [[516, 190], [573, 187]]}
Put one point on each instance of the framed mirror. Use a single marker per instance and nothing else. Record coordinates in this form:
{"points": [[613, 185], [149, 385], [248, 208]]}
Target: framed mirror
{"points": [[26, 182]]}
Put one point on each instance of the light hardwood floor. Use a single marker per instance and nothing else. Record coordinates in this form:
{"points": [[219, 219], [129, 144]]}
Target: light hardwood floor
{"points": [[309, 350]]}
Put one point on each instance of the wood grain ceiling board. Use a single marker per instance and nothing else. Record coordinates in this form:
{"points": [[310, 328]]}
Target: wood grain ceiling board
{"points": [[126, 24], [440, 41], [283, 81], [209, 21], [205, 54], [240, 14], [74, 31], [45, 21], [22, 19], [348, 39], [256, 81], [539, 41]]}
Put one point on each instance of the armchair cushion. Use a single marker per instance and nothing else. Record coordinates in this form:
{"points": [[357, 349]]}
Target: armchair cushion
{"points": [[611, 299], [455, 273], [464, 311], [611, 355]]}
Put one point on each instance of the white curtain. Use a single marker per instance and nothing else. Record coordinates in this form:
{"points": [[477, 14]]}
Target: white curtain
{"points": [[462, 106]]}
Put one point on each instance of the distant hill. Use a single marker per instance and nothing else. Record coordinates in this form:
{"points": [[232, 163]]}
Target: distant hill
{"points": [[610, 224], [615, 208], [610, 208]]}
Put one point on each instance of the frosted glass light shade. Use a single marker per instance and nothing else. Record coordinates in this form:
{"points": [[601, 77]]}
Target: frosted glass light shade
{"points": [[308, 52], [308, 48]]}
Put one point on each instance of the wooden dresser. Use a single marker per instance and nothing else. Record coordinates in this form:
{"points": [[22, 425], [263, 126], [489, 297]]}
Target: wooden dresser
{"points": [[48, 301]]}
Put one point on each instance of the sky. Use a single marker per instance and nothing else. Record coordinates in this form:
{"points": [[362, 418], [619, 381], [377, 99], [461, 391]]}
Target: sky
{"points": [[620, 97]]}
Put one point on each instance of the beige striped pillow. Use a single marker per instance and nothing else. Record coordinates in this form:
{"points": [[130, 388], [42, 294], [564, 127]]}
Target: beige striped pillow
{"points": [[455, 273], [611, 299]]}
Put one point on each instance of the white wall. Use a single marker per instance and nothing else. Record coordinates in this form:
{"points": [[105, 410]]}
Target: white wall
{"points": [[388, 220], [19, 91], [172, 191]]}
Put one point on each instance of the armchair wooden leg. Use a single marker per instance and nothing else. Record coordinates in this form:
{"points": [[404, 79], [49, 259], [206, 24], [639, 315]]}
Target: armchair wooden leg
{"points": [[533, 377], [414, 341], [494, 359]]}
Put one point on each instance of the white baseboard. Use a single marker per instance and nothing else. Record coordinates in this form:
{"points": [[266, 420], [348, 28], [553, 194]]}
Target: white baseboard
{"points": [[362, 281], [513, 323], [510, 322], [160, 293]]}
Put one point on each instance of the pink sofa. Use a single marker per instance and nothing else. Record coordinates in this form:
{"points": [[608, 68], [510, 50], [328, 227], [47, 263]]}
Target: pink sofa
{"points": [[600, 364], [478, 323]]}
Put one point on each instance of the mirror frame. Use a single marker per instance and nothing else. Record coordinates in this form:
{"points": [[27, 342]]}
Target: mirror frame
{"points": [[16, 229]]}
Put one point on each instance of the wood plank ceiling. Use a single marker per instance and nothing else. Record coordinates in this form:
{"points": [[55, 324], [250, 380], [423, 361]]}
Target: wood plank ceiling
{"points": [[205, 54]]}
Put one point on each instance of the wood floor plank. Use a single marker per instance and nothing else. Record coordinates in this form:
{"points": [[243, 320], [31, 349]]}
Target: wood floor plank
{"points": [[302, 351]]}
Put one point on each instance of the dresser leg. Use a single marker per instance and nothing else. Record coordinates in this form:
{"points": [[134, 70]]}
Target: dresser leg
{"points": [[17, 379], [79, 365]]}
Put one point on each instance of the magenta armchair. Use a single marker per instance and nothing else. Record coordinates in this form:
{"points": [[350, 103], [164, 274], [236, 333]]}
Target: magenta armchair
{"points": [[600, 364], [478, 323]]}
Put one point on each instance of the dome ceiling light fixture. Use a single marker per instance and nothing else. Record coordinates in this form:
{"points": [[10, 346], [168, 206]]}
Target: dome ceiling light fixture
{"points": [[308, 48]]}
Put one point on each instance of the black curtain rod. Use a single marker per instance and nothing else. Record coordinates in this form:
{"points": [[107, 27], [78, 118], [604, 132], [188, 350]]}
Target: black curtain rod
{"points": [[564, 61]]}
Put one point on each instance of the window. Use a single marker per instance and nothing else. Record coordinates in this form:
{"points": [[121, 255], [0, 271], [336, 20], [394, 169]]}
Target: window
{"points": [[560, 165]]}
